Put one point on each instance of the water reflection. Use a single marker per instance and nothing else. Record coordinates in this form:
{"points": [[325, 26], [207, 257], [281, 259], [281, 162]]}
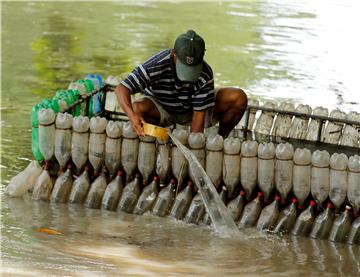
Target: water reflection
{"points": [[97, 240]]}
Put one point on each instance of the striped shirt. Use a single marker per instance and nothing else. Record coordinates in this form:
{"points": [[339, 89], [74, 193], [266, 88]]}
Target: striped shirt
{"points": [[157, 78]]}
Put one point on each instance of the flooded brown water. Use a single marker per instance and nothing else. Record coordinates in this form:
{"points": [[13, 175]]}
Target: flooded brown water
{"points": [[295, 51], [96, 243]]}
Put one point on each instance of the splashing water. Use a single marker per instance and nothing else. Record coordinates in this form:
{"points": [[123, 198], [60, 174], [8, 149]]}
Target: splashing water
{"points": [[222, 221]]}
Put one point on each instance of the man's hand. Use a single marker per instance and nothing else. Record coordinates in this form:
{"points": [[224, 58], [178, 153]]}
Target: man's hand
{"points": [[137, 121], [123, 96]]}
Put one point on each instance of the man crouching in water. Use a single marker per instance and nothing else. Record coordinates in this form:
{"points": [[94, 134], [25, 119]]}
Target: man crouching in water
{"points": [[178, 87]]}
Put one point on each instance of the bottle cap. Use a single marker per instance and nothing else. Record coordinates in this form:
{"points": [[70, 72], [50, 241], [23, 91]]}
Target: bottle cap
{"points": [[260, 194], [242, 193], [120, 173], [329, 205], [156, 178], [312, 203], [294, 200], [277, 198]]}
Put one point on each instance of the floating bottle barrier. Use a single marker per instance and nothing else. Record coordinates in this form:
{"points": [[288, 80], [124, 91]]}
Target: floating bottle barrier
{"points": [[113, 146], [47, 133], [315, 124], [333, 130], [147, 157], [302, 174], [63, 133], [248, 166], [97, 141], [266, 168], [231, 165], [282, 123], [129, 150], [197, 146], [320, 181], [179, 163], [300, 125], [284, 169], [214, 158], [80, 141], [266, 119], [338, 179]]}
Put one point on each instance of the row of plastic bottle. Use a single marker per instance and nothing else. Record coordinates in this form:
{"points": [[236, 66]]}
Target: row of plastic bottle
{"points": [[61, 102], [163, 200], [302, 128], [234, 163]]}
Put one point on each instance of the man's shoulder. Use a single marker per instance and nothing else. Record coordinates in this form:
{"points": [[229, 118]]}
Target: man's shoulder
{"points": [[207, 70], [160, 57]]}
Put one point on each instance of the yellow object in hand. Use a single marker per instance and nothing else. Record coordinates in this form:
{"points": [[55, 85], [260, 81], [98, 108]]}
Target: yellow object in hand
{"points": [[155, 131]]}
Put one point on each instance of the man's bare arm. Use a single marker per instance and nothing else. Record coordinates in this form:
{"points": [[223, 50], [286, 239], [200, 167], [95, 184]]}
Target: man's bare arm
{"points": [[198, 121], [124, 98]]}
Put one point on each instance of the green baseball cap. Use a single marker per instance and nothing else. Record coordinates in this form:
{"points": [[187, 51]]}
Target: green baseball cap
{"points": [[190, 49]]}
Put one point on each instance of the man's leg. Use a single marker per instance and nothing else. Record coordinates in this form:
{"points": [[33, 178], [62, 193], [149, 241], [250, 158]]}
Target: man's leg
{"points": [[147, 110], [230, 105]]}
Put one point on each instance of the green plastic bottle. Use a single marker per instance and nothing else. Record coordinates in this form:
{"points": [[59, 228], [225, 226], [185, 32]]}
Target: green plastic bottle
{"points": [[75, 94], [35, 144], [88, 85], [34, 115]]}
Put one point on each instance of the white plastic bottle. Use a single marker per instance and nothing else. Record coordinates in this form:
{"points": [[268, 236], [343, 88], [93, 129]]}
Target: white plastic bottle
{"points": [[43, 186], [350, 136], [314, 125], [283, 122], [97, 142], [252, 113], [284, 169], [320, 181], [353, 191], [248, 166], [46, 132], [113, 146], [179, 163], [163, 159], [299, 126], [129, 150], [63, 132], [24, 181], [231, 165], [80, 141], [266, 168], [338, 179], [302, 174], [197, 146], [333, 130], [214, 158], [146, 157], [97, 189], [266, 119]]}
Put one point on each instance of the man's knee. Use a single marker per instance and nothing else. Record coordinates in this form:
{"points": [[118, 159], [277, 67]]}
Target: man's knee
{"points": [[240, 101], [142, 107], [231, 98]]}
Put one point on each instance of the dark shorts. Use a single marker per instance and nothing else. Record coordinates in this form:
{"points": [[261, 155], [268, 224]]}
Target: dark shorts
{"points": [[184, 119]]}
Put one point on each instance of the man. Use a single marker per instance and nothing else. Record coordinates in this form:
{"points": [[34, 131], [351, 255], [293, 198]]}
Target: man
{"points": [[179, 88]]}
